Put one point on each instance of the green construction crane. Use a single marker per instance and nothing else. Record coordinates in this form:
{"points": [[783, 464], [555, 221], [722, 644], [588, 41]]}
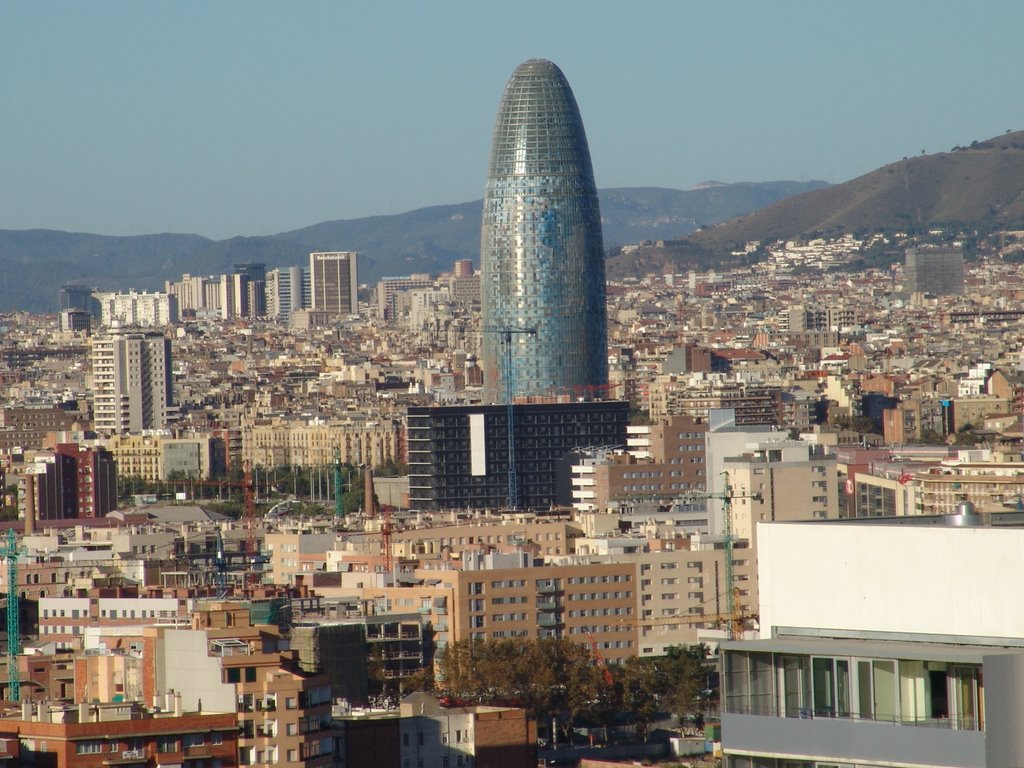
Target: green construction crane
{"points": [[11, 552], [726, 497], [339, 501]]}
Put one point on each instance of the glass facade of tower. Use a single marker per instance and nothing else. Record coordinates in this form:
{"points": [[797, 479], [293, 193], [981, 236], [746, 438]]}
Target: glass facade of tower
{"points": [[542, 255]]}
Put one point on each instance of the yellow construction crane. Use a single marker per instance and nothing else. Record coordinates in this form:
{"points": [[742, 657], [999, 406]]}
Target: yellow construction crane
{"points": [[735, 621]]}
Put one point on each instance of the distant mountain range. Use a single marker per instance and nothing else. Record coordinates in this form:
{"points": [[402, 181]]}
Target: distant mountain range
{"points": [[34, 264], [980, 186]]}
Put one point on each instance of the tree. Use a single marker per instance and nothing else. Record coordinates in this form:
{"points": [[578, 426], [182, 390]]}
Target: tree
{"points": [[640, 688], [683, 679]]}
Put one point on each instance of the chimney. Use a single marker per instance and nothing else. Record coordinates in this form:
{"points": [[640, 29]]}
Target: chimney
{"points": [[177, 705], [26, 710], [369, 508], [83, 712], [30, 504]]}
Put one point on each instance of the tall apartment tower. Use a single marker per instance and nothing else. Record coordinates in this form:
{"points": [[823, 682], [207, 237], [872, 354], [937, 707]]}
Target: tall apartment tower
{"points": [[333, 282], [542, 255], [131, 373], [939, 271], [284, 292]]}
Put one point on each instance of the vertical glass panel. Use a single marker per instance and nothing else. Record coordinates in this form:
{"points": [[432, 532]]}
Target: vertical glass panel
{"points": [[843, 687], [823, 674], [762, 692], [865, 700], [913, 699], [796, 686], [736, 689], [883, 680], [965, 697]]}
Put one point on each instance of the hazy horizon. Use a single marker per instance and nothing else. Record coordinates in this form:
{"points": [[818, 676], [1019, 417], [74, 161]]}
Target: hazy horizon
{"points": [[257, 117]]}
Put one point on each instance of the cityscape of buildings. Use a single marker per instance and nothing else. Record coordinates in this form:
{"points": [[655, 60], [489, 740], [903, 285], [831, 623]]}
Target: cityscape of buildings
{"points": [[251, 513]]}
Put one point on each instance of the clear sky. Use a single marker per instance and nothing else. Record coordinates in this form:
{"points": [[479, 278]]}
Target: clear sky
{"points": [[249, 117]]}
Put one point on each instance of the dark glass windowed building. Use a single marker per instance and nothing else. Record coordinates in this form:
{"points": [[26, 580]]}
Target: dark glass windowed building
{"points": [[458, 454], [542, 256]]}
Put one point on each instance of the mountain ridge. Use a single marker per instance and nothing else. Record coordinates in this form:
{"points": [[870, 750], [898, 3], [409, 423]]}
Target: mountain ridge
{"points": [[34, 263]]}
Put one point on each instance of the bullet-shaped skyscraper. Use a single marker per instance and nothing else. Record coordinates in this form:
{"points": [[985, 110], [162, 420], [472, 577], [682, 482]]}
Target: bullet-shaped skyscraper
{"points": [[542, 254]]}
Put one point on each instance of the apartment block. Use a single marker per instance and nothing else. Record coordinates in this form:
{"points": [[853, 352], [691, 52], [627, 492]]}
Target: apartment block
{"points": [[131, 379], [95, 735]]}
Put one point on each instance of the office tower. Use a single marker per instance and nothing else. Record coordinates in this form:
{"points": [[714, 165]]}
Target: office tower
{"points": [[389, 287], [190, 292], [254, 283], [463, 268], [542, 257], [333, 282], [284, 292], [131, 373], [234, 296], [256, 271], [79, 297], [939, 271]]}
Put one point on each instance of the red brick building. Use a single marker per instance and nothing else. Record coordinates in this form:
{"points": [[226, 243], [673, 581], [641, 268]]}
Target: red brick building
{"points": [[99, 735]]}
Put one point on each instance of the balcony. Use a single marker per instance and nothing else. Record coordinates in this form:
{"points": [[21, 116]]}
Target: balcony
{"points": [[547, 604], [835, 737], [548, 620], [547, 589]]}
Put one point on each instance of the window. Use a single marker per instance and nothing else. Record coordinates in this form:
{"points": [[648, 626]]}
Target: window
{"points": [[193, 740], [167, 744], [89, 747]]}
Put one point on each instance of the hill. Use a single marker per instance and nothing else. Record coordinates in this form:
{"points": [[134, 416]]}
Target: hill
{"points": [[35, 263], [980, 186]]}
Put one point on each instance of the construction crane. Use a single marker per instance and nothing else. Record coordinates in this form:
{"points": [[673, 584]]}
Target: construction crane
{"points": [[11, 552], [735, 620], [726, 496], [339, 505], [252, 556], [507, 332], [600, 660]]}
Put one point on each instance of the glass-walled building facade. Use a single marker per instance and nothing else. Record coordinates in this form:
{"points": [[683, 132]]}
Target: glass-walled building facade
{"points": [[542, 254], [832, 703]]}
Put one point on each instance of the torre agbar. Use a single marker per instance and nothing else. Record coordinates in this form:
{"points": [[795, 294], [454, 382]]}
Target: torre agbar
{"points": [[542, 255]]}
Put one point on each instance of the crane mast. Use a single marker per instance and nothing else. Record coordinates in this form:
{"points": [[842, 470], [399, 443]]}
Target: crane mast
{"points": [[506, 332]]}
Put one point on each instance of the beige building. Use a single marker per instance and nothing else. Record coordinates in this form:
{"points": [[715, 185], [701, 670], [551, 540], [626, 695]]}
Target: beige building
{"points": [[280, 442], [131, 381], [296, 553], [155, 457], [794, 481], [990, 487]]}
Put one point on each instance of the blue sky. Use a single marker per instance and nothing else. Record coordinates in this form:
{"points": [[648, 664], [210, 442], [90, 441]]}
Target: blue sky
{"points": [[226, 118]]}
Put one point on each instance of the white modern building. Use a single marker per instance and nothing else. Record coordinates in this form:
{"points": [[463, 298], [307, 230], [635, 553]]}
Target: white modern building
{"points": [[285, 292], [891, 643], [139, 310]]}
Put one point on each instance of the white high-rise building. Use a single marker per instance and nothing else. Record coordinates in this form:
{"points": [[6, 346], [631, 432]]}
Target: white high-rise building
{"points": [[284, 292], [137, 309], [131, 377], [334, 283]]}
